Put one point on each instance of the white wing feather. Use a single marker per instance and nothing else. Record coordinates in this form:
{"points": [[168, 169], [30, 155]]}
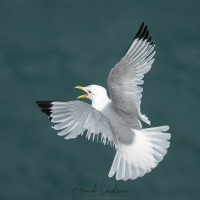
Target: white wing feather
{"points": [[73, 118], [125, 77]]}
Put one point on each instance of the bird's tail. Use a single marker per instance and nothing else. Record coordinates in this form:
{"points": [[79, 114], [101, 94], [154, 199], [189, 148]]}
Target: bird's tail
{"points": [[147, 149]]}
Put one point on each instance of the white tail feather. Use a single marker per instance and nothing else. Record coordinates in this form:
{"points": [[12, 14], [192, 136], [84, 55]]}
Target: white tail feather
{"points": [[145, 119], [148, 148]]}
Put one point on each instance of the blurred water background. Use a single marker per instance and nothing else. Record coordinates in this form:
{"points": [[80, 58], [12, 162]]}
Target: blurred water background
{"points": [[49, 47]]}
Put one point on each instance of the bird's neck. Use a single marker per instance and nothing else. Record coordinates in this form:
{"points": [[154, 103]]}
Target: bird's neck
{"points": [[99, 102]]}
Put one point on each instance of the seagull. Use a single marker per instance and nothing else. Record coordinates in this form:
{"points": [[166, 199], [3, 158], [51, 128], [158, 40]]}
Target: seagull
{"points": [[117, 120]]}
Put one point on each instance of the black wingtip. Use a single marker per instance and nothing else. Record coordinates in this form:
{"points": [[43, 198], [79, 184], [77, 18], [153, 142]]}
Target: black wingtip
{"points": [[149, 39], [146, 35], [45, 107], [139, 31], [43, 102], [143, 33]]}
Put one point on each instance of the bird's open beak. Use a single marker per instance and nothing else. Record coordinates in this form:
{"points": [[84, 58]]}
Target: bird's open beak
{"points": [[82, 96]]}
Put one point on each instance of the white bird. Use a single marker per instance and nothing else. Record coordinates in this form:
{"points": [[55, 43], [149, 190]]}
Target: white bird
{"points": [[117, 119]]}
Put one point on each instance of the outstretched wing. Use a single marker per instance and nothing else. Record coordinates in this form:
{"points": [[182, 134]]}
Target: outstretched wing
{"points": [[73, 118], [127, 74]]}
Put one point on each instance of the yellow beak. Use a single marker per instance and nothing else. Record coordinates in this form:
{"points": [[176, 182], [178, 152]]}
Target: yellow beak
{"points": [[82, 96]]}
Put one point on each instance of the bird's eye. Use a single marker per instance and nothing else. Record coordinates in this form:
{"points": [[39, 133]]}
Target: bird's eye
{"points": [[89, 91]]}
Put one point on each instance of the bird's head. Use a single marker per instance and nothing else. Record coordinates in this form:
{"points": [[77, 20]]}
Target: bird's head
{"points": [[93, 92]]}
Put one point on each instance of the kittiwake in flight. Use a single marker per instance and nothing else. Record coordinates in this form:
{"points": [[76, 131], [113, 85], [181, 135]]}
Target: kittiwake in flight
{"points": [[117, 120]]}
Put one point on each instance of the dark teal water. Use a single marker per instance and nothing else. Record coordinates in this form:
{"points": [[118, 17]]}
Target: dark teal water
{"points": [[49, 47]]}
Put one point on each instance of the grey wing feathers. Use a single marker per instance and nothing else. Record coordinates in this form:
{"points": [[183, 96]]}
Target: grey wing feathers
{"points": [[126, 76], [73, 118]]}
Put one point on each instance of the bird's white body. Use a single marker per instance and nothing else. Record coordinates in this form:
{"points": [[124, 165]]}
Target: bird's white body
{"points": [[103, 104], [118, 118], [138, 151]]}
